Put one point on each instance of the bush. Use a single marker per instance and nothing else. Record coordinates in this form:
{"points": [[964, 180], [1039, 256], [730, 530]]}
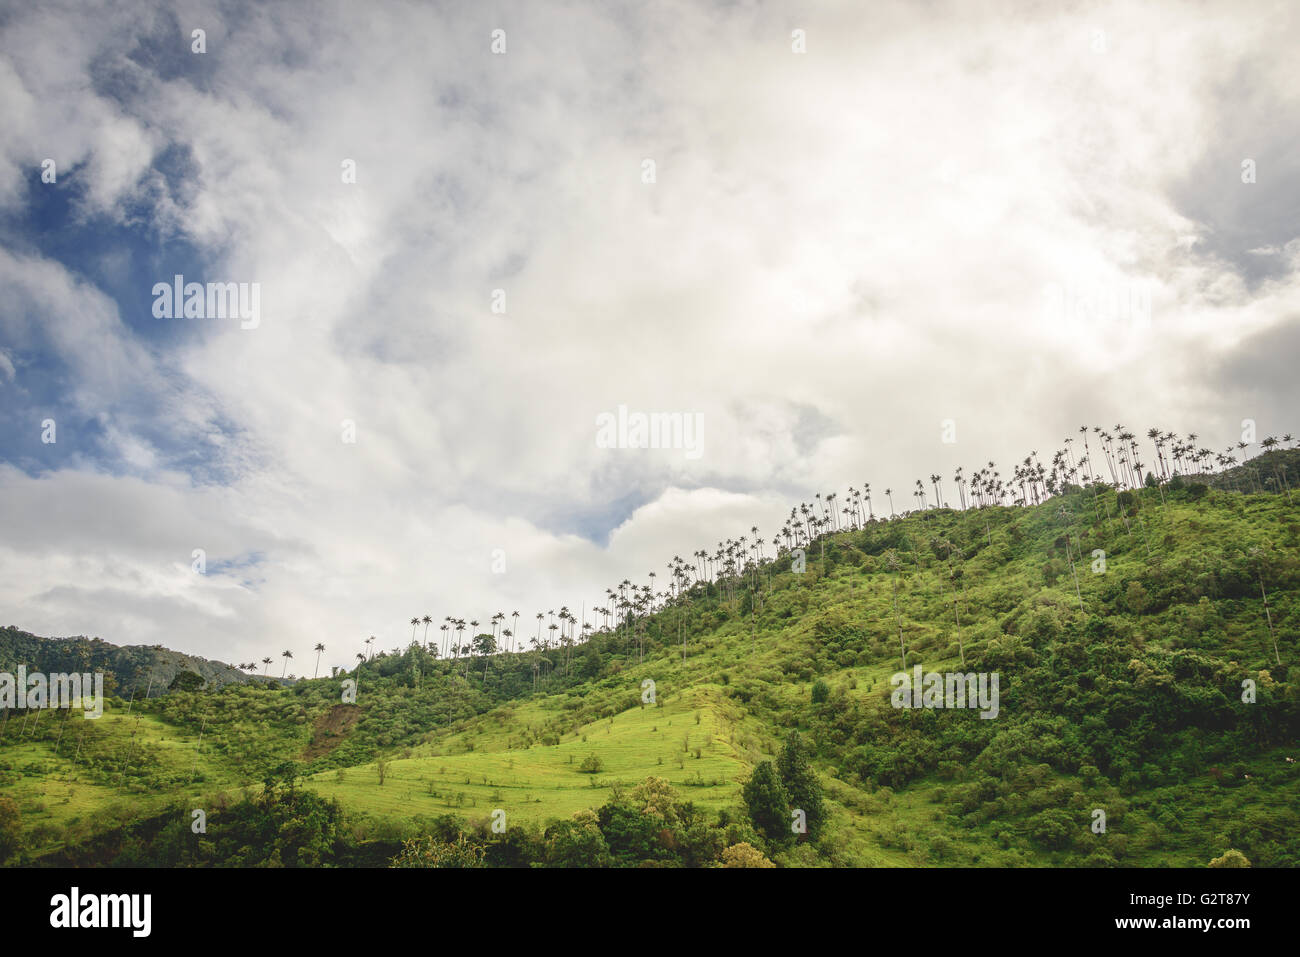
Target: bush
{"points": [[1231, 858], [1053, 829], [430, 852], [744, 855]]}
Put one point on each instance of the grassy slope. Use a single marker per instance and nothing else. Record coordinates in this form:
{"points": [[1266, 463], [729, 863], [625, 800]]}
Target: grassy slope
{"points": [[544, 782], [748, 679], [877, 825]]}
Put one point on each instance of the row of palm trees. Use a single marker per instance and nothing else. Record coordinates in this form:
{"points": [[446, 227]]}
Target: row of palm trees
{"points": [[1117, 463], [1101, 457], [287, 656]]}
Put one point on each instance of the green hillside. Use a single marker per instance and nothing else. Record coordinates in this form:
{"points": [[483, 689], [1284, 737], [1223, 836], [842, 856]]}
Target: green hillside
{"points": [[132, 670], [1150, 683]]}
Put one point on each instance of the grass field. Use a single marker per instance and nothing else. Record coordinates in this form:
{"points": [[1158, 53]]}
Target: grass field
{"points": [[62, 784], [686, 742]]}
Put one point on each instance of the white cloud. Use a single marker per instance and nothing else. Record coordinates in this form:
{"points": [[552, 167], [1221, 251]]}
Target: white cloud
{"points": [[842, 249]]}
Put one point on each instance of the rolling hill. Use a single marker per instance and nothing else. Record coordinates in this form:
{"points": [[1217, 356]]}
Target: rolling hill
{"points": [[1148, 716]]}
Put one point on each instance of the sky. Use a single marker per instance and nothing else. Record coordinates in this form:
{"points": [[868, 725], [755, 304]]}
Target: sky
{"points": [[833, 236]]}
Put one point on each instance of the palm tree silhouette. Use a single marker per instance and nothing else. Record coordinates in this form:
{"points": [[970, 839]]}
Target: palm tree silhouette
{"points": [[318, 649], [286, 655]]}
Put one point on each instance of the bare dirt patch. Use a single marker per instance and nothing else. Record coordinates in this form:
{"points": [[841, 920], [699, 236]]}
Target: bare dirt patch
{"points": [[329, 730]]}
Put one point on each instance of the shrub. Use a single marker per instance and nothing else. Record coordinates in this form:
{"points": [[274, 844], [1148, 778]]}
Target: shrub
{"points": [[1231, 858], [820, 691], [744, 855]]}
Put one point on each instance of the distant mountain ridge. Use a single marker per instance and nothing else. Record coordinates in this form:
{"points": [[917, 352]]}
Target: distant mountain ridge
{"points": [[143, 669]]}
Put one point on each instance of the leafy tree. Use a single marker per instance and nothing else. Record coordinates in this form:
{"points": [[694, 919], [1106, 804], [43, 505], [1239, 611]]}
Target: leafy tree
{"points": [[633, 838], [657, 798], [1053, 828], [591, 664], [576, 843], [801, 785], [768, 803], [1136, 597], [283, 776]]}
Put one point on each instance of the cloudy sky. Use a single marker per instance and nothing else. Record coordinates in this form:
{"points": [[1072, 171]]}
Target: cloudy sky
{"points": [[823, 229]]}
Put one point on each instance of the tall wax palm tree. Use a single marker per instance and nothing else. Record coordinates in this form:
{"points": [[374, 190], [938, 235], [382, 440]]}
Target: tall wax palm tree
{"points": [[286, 655], [415, 623], [1257, 554], [894, 565], [1158, 441], [1065, 517], [266, 664], [318, 649]]}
